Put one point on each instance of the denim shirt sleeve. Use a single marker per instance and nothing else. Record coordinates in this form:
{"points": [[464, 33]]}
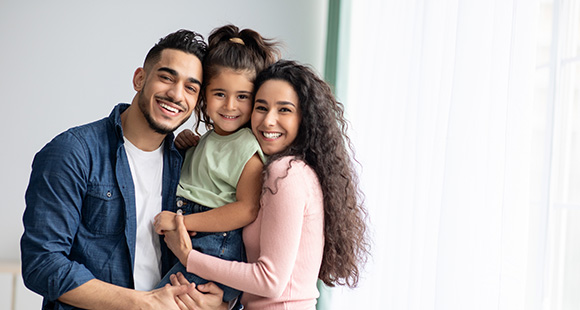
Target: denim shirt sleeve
{"points": [[54, 197]]}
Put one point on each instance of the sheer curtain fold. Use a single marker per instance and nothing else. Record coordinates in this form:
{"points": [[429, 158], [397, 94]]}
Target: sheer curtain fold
{"points": [[438, 95]]}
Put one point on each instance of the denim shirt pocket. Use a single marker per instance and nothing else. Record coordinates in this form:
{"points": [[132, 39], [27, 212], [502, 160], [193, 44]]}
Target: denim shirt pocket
{"points": [[104, 210]]}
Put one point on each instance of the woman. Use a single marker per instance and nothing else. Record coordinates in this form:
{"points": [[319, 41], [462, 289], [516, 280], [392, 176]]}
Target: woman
{"points": [[311, 222]]}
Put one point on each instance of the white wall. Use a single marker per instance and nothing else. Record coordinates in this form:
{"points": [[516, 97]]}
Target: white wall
{"points": [[66, 63]]}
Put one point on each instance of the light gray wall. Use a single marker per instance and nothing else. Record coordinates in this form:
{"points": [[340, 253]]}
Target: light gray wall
{"points": [[66, 63]]}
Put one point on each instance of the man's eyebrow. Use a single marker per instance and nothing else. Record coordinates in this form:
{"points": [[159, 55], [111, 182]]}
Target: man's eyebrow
{"points": [[175, 73], [168, 70]]}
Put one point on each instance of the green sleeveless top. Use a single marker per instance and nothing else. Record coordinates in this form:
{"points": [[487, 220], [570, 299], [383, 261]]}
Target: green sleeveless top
{"points": [[211, 170]]}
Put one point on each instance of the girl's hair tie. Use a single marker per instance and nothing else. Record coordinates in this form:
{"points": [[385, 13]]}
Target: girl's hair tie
{"points": [[237, 40]]}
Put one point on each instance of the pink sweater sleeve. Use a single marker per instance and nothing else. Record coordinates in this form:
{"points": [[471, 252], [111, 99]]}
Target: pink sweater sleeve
{"points": [[279, 237]]}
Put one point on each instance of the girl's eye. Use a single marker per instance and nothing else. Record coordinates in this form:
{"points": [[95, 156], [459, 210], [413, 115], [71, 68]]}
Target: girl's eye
{"points": [[243, 97]]}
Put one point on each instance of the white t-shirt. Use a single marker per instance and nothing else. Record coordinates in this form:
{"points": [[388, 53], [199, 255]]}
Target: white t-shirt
{"points": [[147, 179]]}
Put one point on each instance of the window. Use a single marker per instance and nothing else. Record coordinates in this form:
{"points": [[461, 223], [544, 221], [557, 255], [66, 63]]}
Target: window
{"points": [[466, 119], [558, 93]]}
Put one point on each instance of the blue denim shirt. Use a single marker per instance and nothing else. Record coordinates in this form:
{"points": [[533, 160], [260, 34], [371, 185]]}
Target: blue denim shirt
{"points": [[80, 221]]}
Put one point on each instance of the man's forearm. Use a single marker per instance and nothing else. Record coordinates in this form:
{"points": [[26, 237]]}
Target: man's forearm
{"points": [[96, 294]]}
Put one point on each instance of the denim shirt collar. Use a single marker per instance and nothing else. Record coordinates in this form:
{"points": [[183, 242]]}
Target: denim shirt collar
{"points": [[115, 118]]}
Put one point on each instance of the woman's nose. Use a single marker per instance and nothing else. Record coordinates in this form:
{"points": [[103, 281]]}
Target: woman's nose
{"points": [[270, 118]]}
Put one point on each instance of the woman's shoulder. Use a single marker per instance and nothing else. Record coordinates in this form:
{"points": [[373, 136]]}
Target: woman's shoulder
{"points": [[286, 161], [289, 165], [294, 177]]}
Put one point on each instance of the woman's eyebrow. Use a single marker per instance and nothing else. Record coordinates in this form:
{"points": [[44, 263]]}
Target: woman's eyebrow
{"points": [[282, 102]]}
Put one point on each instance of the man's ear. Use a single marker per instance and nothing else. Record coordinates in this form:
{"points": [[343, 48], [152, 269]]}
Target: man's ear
{"points": [[139, 79]]}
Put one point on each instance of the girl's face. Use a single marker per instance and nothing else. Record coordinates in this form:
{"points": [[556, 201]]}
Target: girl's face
{"points": [[276, 116], [229, 100]]}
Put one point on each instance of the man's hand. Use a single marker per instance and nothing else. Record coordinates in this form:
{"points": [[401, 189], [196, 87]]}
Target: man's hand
{"points": [[206, 297], [186, 139], [167, 297]]}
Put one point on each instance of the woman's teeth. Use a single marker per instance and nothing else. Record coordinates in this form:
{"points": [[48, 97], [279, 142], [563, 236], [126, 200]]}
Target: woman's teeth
{"points": [[272, 135]]}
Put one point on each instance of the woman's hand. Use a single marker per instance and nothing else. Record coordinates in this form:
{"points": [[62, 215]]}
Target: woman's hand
{"points": [[178, 240], [205, 297], [186, 139]]}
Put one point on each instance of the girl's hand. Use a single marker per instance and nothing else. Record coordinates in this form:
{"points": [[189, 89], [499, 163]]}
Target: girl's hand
{"points": [[186, 139], [164, 222]]}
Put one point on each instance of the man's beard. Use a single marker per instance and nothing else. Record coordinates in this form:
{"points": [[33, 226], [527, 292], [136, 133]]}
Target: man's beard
{"points": [[157, 127]]}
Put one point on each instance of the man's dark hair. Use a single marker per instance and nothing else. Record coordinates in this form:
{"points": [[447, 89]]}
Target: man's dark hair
{"points": [[183, 40]]}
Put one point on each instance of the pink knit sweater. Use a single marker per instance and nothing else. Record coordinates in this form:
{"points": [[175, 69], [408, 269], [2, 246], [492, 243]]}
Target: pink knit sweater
{"points": [[284, 244]]}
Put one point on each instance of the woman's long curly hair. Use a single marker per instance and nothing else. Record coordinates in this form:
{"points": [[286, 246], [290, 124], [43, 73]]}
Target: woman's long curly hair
{"points": [[242, 50], [322, 142]]}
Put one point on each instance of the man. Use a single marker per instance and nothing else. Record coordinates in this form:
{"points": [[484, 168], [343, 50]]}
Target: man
{"points": [[94, 190]]}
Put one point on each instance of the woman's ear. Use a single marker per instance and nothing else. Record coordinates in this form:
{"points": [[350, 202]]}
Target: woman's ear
{"points": [[139, 79]]}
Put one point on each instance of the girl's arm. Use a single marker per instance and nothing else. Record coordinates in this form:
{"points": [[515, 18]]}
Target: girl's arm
{"points": [[236, 214]]}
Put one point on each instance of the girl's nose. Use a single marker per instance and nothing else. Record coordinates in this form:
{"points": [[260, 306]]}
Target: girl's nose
{"points": [[231, 103]]}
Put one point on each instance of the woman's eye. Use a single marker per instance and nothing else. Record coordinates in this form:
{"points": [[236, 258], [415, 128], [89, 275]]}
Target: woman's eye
{"points": [[285, 110], [260, 108]]}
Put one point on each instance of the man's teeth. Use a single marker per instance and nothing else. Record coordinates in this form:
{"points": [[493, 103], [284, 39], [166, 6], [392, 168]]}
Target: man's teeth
{"points": [[170, 109], [272, 135]]}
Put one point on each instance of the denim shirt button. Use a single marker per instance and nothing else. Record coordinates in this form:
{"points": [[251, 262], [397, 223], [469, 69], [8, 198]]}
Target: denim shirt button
{"points": [[225, 234], [179, 203], [109, 194]]}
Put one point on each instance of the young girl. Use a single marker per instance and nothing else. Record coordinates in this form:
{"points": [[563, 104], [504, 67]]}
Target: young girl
{"points": [[222, 174], [311, 222]]}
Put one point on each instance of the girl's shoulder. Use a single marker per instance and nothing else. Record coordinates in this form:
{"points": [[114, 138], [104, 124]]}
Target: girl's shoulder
{"points": [[245, 132]]}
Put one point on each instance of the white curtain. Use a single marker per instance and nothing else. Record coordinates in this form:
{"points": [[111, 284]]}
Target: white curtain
{"points": [[439, 95]]}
